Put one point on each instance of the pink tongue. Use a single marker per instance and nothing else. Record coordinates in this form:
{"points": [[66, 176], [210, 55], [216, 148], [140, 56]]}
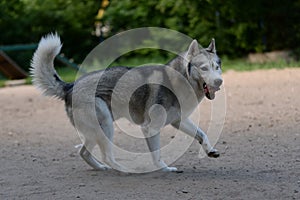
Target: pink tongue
{"points": [[206, 90]]}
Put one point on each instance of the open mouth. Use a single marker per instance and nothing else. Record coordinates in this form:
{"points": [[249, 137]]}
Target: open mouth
{"points": [[209, 91]]}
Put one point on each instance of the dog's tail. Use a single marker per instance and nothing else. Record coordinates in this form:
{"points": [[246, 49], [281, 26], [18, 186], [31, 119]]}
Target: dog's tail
{"points": [[42, 69]]}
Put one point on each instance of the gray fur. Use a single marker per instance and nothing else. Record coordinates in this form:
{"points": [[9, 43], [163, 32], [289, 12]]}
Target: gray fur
{"points": [[199, 67]]}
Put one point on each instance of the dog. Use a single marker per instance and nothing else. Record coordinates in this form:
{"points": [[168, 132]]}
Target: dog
{"points": [[199, 67]]}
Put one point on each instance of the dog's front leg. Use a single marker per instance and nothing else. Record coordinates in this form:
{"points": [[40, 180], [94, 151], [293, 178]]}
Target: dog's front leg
{"points": [[153, 142], [188, 127]]}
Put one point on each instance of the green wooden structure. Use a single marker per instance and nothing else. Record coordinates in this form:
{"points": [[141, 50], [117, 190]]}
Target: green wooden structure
{"points": [[12, 70]]}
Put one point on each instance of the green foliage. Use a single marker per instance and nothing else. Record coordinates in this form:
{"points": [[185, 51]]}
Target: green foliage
{"points": [[25, 21], [238, 26]]}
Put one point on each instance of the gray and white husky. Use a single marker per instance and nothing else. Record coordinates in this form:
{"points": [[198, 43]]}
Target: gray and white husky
{"points": [[199, 67]]}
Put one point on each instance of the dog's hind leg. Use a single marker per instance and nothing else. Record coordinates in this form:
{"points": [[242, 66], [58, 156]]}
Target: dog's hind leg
{"points": [[153, 142], [91, 160], [87, 131], [188, 127], [105, 141]]}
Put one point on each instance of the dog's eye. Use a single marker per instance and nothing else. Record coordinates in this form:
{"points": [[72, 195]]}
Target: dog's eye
{"points": [[204, 68]]}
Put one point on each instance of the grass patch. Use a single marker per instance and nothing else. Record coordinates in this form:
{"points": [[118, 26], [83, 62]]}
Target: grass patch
{"points": [[69, 74], [66, 73], [2, 83], [244, 65], [227, 64], [137, 61]]}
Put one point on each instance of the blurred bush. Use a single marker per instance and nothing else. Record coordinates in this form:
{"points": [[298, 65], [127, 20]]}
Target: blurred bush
{"points": [[239, 27]]}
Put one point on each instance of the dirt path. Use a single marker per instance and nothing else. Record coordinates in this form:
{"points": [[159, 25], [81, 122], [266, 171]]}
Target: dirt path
{"points": [[260, 146]]}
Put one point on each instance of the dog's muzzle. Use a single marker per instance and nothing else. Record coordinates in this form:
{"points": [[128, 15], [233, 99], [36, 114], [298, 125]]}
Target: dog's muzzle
{"points": [[210, 91]]}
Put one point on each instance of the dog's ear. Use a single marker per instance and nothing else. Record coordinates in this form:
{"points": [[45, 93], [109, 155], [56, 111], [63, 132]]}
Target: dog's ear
{"points": [[193, 49], [191, 52], [212, 46]]}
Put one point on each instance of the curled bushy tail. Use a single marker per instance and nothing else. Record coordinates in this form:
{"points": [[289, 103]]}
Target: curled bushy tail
{"points": [[42, 69]]}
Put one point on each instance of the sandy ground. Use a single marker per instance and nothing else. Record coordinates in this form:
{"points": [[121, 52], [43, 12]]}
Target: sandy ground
{"points": [[259, 145]]}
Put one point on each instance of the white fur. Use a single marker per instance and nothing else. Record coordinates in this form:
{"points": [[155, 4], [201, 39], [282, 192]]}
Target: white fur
{"points": [[188, 127], [42, 67]]}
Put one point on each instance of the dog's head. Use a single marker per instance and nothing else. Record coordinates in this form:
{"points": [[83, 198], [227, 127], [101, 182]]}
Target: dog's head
{"points": [[204, 67]]}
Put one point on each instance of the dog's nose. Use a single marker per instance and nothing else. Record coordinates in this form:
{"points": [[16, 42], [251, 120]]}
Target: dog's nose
{"points": [[218, 82]]}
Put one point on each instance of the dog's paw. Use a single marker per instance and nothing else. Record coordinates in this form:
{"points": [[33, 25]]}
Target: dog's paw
{"points": [[106, 168], [101, 167], [169, 169], [213, 153]]}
